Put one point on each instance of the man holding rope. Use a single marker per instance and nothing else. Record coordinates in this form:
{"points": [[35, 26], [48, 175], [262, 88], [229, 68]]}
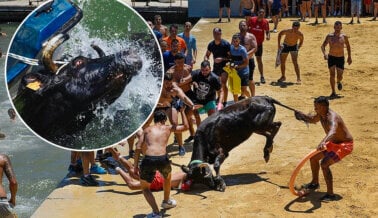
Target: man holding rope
{"points": [[337, 143]]}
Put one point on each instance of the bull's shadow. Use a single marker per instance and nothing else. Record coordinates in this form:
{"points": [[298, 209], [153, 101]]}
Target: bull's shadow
{"points": [[313, 197]]}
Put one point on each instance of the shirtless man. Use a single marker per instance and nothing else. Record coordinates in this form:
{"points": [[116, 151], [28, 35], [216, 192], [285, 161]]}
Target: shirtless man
{"points": [[248, 40], [335, 56], [337, 143], [180, 71], [247, 8], [6, 206], [154, 148], [290, 45], [159, 26]]}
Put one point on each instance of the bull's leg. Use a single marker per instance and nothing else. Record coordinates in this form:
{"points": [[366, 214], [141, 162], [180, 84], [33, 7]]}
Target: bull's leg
{"points": [[220, 184], [269, 133]]}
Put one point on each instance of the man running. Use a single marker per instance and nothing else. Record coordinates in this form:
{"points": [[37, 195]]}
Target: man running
{"points": [[335, 56]]}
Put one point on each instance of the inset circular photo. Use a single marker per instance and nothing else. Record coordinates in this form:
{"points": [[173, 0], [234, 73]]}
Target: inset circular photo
{"points": [[84, 75]]}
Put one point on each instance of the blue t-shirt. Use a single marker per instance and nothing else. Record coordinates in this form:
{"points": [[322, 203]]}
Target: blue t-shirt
{"points": [[191, 46], [168, 60], [158, 34], [237, 56]]}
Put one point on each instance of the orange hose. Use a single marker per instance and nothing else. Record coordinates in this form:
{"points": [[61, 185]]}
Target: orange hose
{"points": [[298, 168]]}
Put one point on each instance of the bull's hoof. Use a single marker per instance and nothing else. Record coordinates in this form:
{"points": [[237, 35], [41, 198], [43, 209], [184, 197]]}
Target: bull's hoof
{"points": [[220, 185], [267, 155]]}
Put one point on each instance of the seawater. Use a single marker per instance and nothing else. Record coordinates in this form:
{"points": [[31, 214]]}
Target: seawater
{"points": [[39, 167]]}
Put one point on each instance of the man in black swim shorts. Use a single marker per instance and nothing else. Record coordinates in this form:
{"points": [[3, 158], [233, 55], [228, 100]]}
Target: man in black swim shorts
{"points": [[154, 142]]}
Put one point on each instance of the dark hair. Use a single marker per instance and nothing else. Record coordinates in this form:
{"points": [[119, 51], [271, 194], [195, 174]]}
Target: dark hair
{"points": [[205, 64], [179, 56], [217, 30], [173, 26], [236, 36], [296, 23], [175, 41], [338, 22], [322, 100], [160, 116], [168, 76]]}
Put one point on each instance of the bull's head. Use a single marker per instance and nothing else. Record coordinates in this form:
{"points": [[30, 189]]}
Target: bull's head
{"points": [[200, 173]]}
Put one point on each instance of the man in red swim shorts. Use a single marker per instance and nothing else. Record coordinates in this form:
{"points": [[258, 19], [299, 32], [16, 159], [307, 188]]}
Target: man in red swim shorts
{"points": [[337, 143]]}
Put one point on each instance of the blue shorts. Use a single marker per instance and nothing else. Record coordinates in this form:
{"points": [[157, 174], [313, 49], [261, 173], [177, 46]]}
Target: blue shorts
{"points": [[211, 105], [248, 12]]}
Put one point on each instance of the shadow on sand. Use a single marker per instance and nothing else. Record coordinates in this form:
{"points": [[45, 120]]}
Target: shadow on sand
{"points": [[313, 197]]}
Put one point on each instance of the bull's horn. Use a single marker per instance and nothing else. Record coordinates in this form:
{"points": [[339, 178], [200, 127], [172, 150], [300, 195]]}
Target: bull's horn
{"points": [[202, 165], [49, 49]]}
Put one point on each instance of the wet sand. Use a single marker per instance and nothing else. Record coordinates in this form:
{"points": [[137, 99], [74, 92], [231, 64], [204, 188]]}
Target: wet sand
{"points": [[255, 188]]}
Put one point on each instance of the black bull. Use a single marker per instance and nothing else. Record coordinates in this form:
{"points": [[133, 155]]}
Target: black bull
{"points": [[218, 134], [52, 108]]}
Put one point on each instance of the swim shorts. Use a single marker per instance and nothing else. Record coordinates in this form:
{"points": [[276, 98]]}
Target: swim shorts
{"points": [[319, 2], [259, 51], [208, 106], [338, 61], [6, 210], [158, 182], [275, 12], [177, 103], [338, 151], [251, 68], [247, 12], [287, 49], [150, 164], [224, 3]]}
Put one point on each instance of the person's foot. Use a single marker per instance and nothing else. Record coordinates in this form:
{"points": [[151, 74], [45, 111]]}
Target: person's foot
{"points": [[374, 18], [282, 79], [229, 20], [241, 98], [275, 30], [324, 21], [95, 169], [88, 180], [181, 151], [171, 203], [299, 81], [328, 197], [262, 80], [220, 20], [77, 168], [316, 21], [339, 86], [154, 215], [311, 186], [189, 139], [358, 21], [351, 22], [333, 95]]}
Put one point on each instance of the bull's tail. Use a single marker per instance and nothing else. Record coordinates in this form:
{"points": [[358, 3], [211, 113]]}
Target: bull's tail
{"points": [[282, 105]]}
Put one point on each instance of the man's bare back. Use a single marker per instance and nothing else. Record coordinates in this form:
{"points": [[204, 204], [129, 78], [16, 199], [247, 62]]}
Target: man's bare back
{"points": [[156, 140]]}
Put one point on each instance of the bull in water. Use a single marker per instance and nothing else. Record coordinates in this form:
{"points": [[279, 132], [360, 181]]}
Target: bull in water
{"points": [[60, 100]]}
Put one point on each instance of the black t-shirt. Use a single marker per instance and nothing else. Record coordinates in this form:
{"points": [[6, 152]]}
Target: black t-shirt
{"points": [[220, 50], [207, 86]]}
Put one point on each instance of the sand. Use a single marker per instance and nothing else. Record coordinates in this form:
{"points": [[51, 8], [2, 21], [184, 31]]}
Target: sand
{"points": [[255, 188]]}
